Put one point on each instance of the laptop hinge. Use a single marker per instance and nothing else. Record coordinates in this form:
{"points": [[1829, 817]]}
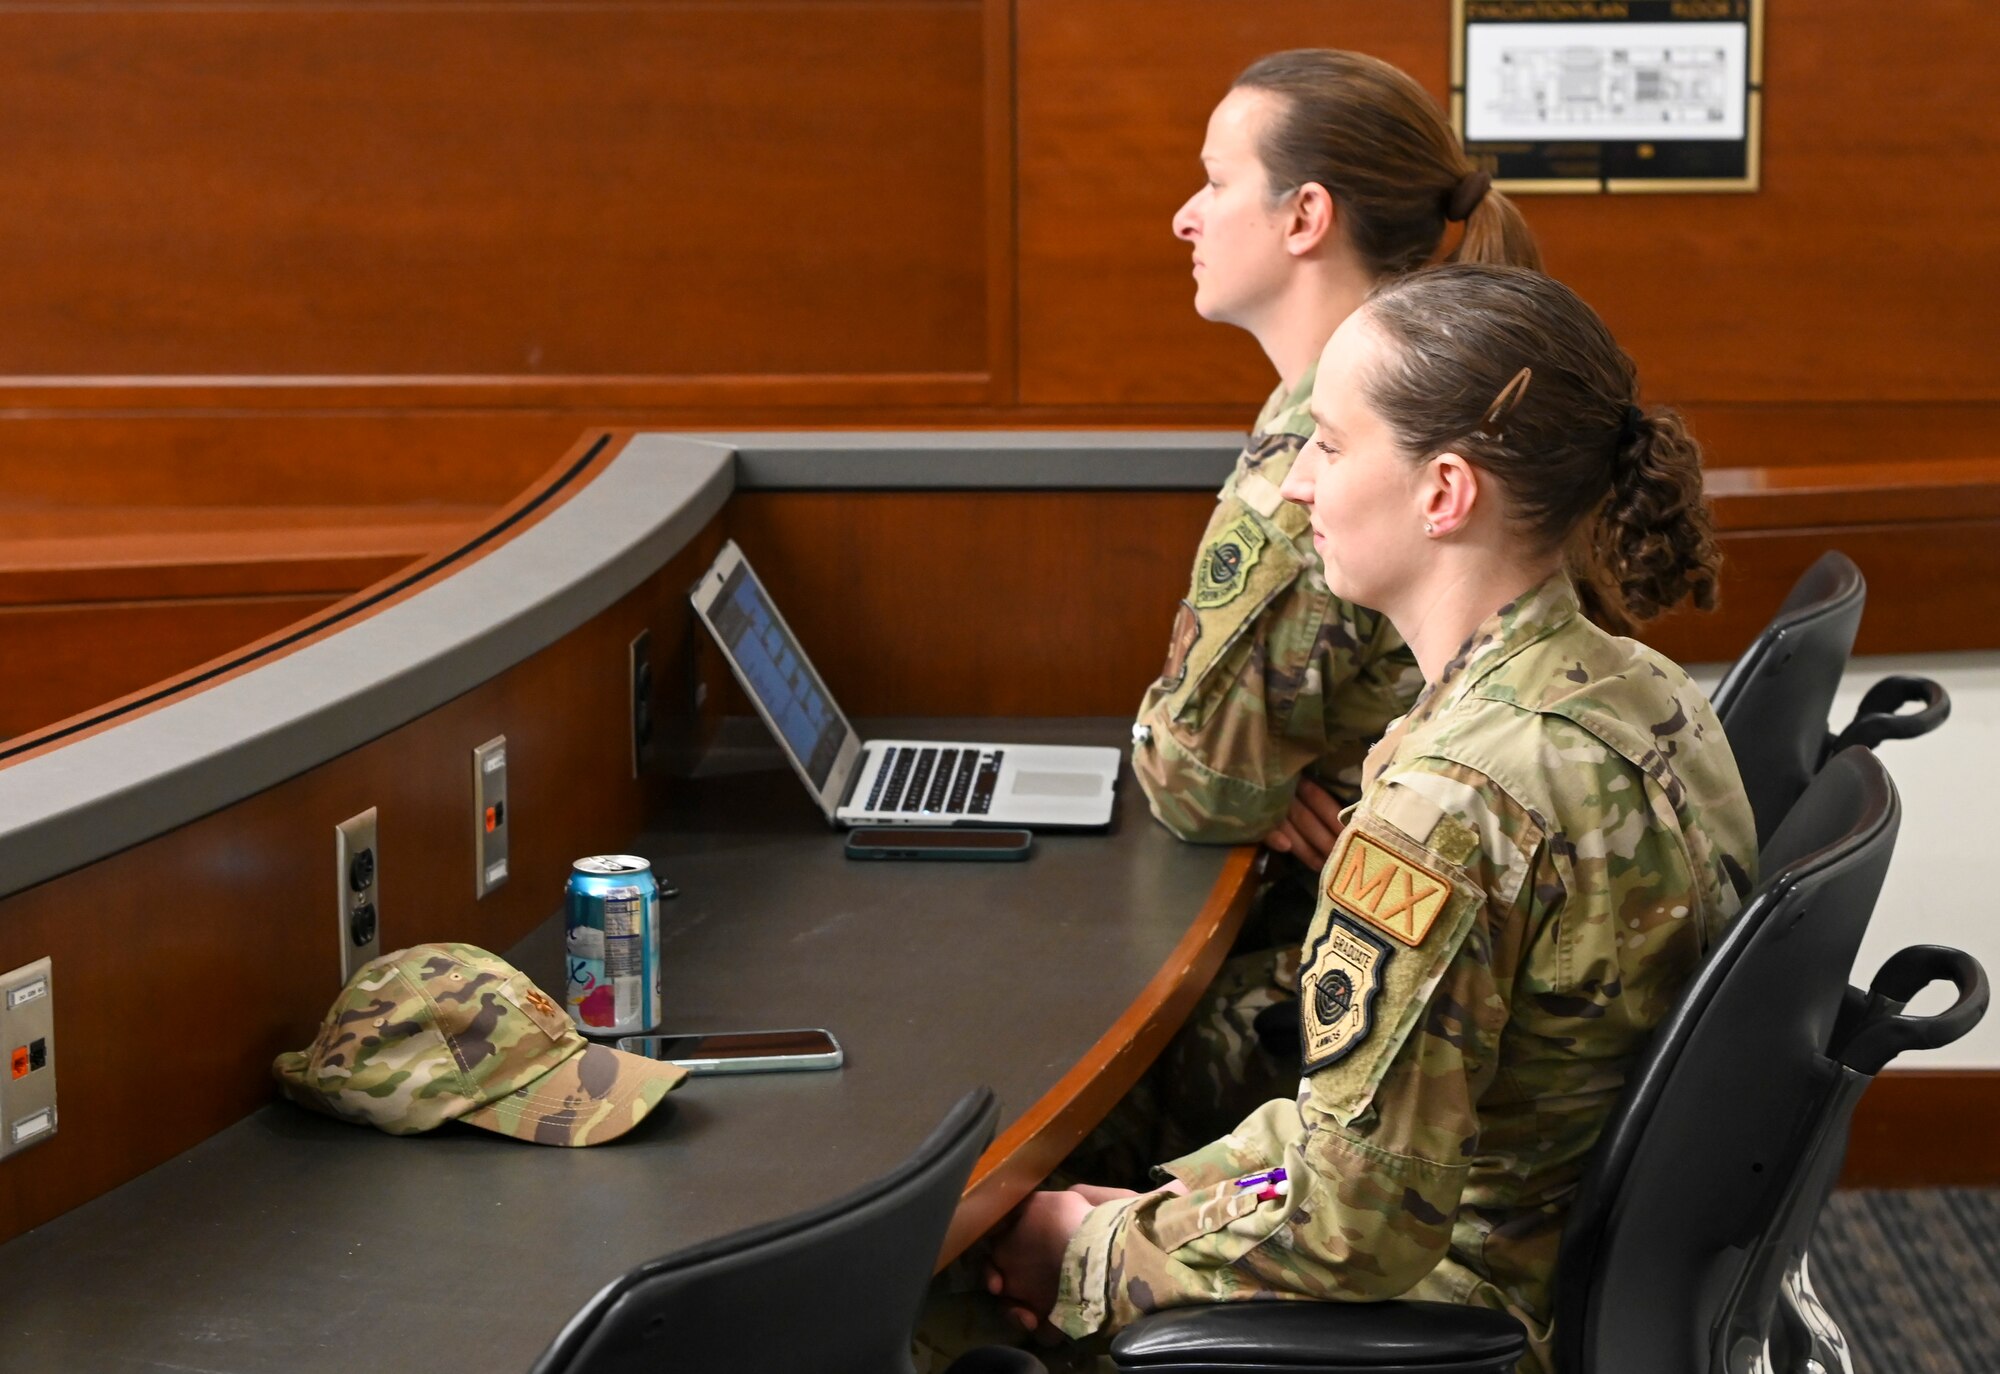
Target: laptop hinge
{"points": [[854, 777]]}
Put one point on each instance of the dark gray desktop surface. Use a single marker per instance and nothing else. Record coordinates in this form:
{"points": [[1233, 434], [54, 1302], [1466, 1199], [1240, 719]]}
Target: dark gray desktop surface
{"points": [[292, 1242]]}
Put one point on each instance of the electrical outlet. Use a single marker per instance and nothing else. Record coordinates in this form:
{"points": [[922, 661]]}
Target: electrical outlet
{"points": [[639, 675], [28, 1034], [490, 821], [358, 881]]}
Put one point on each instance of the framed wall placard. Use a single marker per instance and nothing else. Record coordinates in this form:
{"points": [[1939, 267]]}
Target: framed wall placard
{"points": [[1610, 95]]}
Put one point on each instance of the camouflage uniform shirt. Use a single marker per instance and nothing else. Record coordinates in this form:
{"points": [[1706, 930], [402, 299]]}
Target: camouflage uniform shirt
{"points": [[1544, 849], [1268, 674]]}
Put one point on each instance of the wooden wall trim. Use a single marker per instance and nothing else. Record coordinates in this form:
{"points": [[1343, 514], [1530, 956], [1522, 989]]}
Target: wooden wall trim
{"points": [[153, 553], [1036, 1141], [753, 392], [567, 478], [1926, 1128], [240, 734], [1904, 490]]}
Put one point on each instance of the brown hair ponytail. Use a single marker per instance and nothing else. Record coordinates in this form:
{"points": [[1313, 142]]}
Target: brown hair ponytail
{"points": [[1496, 232], [1656, 540], [1512, 371], [1382, 149]]}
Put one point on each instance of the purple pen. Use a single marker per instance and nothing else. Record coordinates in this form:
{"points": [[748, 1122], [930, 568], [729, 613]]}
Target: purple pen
{"points": [[1265, 1179]]}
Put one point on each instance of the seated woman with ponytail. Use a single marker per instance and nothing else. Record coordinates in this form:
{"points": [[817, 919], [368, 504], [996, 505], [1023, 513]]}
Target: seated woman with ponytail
{"points": [[1327, 173], [1544, 848]]}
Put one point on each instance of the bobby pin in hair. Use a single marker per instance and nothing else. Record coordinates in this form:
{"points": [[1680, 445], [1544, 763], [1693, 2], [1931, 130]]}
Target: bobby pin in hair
{"points": [[1503, 405]]}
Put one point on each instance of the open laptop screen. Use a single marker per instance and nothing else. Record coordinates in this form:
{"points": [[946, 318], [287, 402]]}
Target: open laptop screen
{"points": [[787, 687]]}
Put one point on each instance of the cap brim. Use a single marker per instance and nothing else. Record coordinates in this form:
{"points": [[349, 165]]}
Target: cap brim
{"points": [[589, 1098]]}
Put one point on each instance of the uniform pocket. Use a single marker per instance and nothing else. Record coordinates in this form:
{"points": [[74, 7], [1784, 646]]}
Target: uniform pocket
{"points": [[1217, 1226]]}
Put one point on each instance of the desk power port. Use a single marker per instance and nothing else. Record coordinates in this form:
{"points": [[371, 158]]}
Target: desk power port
{"points": [[28, 1034], [358, 878]]}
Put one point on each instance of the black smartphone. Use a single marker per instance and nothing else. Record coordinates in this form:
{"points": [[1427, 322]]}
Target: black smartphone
{"points": [[776, 1051], [938, 842]]}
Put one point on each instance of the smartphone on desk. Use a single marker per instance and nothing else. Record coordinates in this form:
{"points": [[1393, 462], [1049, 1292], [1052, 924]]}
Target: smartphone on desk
{"points": [[775, 1051], [938, 842]]}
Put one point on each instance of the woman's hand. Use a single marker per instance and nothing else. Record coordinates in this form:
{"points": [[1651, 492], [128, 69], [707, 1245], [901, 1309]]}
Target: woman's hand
{"points": [[1027, 1255], [1310, 827]]}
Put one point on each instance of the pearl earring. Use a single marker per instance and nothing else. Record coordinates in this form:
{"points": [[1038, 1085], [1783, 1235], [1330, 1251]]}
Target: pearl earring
{"points": [[1429, 528]]}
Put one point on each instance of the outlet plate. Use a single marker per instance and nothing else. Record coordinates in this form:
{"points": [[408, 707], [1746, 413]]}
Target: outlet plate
{"points": [[28, 1039], [491, 822], [639, 703], [357, 872]]}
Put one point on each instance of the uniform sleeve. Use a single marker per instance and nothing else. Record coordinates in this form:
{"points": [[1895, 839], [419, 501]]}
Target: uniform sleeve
{"points": [[1268, 675], [1421, 914]]}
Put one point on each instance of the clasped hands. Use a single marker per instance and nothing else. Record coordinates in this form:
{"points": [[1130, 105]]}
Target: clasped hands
{"points": [[1310, 827], [1024, 1264]]}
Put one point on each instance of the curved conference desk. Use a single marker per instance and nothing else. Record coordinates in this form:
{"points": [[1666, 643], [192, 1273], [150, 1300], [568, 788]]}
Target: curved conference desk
{"points": [[172, 854]]}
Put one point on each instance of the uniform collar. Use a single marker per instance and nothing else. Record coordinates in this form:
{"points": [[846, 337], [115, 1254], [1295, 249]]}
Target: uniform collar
{"points": [[1288, 400], [1529, 618]]}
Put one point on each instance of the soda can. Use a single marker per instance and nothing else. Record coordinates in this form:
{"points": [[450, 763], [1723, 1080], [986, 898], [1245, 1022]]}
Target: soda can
{"points": [[612, 939]]}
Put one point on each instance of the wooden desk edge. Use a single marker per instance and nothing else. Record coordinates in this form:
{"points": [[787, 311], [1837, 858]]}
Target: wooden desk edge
{"points": [[1034, 1143]]}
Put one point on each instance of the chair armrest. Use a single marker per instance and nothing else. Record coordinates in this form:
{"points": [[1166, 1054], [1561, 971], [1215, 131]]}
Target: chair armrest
{"points": [[1882, 1031], [1334, 1337], [1881, 715]]}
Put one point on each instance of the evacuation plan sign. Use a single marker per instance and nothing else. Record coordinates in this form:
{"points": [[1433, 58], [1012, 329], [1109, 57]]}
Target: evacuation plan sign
{"points": [[1610, 95]]}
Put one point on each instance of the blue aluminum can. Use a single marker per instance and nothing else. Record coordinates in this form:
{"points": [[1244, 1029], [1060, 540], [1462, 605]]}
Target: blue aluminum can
{"points": [[612, 937]]}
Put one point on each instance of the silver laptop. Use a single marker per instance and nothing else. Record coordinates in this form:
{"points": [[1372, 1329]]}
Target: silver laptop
{"points": [[889, 781]]}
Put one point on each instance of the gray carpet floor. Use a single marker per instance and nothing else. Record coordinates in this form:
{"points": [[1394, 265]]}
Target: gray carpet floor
{"points": [[1913, 1278]]}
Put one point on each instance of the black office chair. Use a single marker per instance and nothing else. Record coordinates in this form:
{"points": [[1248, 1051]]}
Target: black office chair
{"points": [[833, 1291], [1684, 1247], [1774, 700]]}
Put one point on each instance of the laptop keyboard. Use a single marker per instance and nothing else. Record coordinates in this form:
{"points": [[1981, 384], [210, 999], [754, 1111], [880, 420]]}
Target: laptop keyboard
{"points": [[936, 781]]}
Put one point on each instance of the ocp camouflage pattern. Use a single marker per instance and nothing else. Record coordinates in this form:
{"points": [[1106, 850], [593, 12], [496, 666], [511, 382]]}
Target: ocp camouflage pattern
{"points": [[444, 1032], [1269, 675], [1577, 796]]}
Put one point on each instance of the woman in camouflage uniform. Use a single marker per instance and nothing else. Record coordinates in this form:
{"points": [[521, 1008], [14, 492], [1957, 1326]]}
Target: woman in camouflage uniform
{"points": [[1545, 846], [1328, 173]]}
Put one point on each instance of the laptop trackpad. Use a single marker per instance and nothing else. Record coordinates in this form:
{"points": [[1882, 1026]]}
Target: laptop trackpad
{"points": [[1028, 783]]}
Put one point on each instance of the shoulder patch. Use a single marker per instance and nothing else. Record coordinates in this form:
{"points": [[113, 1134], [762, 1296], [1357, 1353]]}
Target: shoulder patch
{"points": [[1187, 632], [1385, 889], [1338, 985], [1223, 570]]}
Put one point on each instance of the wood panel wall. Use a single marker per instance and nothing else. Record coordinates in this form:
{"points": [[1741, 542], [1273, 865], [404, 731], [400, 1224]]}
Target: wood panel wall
{"points": [[354, 251]]}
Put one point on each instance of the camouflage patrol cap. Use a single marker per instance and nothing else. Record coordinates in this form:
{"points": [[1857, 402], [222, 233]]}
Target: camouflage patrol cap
{"points": [[436, 1033]]}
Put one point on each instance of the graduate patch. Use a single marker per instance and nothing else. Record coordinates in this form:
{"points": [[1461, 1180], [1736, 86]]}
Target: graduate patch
{"points": [[1187, 632], [1385, 889], [1224, 568], [1337, 990]]}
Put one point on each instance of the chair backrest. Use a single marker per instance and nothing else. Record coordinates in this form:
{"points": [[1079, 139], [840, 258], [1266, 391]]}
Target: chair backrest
{"points": [[1669, 1257], [1775, 700], [833, 1291]]}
